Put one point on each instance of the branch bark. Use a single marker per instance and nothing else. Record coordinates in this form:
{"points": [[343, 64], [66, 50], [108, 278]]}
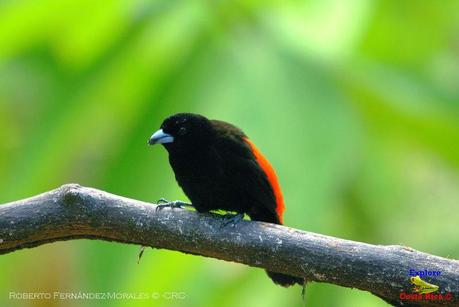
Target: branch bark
{"points": [[75, 212]]}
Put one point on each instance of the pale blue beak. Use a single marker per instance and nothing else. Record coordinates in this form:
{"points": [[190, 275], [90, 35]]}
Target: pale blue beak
{"points": [[159, 137]]}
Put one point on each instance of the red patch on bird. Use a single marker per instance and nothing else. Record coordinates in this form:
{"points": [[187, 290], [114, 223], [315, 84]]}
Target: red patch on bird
{"points": [[272, 178]]}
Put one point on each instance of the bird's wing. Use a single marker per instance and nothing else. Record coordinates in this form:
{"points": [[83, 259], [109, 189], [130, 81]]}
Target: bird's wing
{"points": [[252, 177]]}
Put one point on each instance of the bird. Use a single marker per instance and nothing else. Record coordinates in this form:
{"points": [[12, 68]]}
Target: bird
{"points": [[219, 168]]}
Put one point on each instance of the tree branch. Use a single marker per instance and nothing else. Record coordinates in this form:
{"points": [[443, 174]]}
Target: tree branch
{"points": [[75, 212]]}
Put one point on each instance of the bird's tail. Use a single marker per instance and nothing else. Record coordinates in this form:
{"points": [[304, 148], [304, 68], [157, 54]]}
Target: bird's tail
{"points": [[284, 280], [280, 279]]}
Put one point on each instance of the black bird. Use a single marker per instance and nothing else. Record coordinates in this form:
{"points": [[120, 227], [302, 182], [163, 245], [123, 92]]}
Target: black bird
{"points": [[218, 167]]}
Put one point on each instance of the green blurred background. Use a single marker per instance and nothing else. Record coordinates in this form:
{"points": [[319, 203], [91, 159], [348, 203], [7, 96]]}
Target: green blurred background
{"points": [[354, 102]]}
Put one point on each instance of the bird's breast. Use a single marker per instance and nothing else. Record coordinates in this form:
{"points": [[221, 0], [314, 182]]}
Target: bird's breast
{"points": [[204, 179]]}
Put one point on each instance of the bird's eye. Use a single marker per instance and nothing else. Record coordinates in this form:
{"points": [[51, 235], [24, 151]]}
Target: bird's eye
{"points": [[182, 131]]}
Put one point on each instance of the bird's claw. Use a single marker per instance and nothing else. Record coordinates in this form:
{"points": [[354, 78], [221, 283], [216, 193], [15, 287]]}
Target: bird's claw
{"points": [[231, 219], [171, 204]]}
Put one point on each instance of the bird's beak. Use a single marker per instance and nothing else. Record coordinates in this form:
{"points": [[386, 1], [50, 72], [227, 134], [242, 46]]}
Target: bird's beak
{"points": [[159, 137]]}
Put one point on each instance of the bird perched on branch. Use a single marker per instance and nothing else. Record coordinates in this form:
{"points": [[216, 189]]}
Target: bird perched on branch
{"points": [[218, 167]]}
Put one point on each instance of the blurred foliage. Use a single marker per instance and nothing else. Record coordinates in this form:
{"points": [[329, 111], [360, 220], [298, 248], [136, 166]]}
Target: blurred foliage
{"points": [[354, 102]]}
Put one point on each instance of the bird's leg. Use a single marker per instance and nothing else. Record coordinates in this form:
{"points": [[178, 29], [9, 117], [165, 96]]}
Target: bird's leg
{"points": [[171, 204], [231, 219]]}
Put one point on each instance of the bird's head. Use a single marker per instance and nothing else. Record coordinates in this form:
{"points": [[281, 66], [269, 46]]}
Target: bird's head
{"points": [[183, 131]]}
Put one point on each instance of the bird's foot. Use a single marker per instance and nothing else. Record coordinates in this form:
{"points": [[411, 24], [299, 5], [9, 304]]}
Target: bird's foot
{"points": [[171, 204], [231, 219]]}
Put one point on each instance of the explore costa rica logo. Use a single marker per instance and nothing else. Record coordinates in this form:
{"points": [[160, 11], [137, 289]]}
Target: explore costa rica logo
{"points": [[422, 289]]}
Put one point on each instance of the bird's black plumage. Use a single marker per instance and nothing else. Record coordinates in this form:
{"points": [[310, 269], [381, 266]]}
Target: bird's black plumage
{"points": [[219, 168]]}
